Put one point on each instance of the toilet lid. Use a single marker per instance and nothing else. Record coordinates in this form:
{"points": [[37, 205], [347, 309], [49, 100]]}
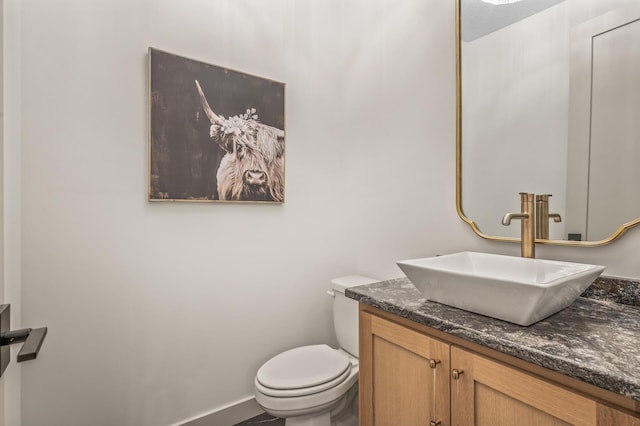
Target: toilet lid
{"points": [[303, 367]]}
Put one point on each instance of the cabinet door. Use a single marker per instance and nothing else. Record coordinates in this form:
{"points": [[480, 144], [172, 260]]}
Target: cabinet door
{"points": [[404, 375], [490, 393], [608, 416]]}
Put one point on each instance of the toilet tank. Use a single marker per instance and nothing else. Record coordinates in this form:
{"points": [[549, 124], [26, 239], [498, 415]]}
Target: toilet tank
{"points": [[345, 311]]}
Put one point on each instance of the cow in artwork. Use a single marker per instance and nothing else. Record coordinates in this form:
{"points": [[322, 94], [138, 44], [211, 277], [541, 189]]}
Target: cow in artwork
{"points": [[252, 168]]}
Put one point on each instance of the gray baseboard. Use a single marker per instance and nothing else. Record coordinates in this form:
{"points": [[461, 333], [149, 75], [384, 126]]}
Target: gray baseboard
{"points": [[228, 416]]}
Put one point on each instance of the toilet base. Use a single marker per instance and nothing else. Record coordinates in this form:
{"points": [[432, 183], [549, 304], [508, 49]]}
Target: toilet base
{"points": [[343, 412], [312, 420]]}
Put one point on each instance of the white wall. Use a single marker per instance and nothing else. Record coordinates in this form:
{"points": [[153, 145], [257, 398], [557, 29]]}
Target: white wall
{"points": [[158, 313]]}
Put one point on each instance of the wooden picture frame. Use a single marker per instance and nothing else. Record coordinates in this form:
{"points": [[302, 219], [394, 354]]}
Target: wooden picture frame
{"points": [[215, 134]]}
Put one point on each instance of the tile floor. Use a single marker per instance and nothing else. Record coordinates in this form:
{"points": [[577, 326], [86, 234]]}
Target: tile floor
{"points": [[262, 420]]}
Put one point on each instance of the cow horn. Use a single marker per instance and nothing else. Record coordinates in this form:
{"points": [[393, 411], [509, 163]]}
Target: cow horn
{"points": [[207, 109]]}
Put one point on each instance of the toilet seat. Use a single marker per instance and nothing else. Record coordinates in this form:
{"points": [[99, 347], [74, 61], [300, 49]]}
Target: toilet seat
{"points": [[310, 403], [303, 371]]}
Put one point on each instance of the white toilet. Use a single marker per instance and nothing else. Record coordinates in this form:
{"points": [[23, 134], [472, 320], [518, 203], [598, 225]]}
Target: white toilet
{"points": [[317, 385]]}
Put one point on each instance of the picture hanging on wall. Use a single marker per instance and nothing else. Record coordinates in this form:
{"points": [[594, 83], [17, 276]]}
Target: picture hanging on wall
{"points": [[215, 134]]}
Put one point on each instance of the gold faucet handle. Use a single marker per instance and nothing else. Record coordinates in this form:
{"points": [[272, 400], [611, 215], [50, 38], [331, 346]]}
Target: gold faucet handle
{"points": [[556, 217]]}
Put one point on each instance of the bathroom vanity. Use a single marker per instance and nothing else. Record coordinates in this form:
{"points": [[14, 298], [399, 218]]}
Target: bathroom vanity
{"points": [[426, 363]]}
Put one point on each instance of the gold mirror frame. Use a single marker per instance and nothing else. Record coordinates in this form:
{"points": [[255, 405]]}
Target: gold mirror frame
{"points": [[617, 234]]}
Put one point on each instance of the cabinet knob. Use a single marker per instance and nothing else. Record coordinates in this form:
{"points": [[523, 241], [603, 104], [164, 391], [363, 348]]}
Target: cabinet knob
{"points": [[455, 373], [433, 363], [435, 423]]}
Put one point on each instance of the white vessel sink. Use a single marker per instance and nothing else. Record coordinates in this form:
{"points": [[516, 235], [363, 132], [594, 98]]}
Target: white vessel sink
{"points": [[513, 289]]}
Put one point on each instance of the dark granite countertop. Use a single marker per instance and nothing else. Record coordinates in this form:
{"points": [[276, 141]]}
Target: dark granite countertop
{"points": [[596, 341]]}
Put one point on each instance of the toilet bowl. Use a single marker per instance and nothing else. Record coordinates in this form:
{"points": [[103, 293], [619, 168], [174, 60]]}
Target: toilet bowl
{"points": [[317, 385]]}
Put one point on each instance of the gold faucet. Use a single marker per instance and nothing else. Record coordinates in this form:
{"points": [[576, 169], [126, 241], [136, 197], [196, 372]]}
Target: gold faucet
{"points": [[543, 216], [527, 228]]}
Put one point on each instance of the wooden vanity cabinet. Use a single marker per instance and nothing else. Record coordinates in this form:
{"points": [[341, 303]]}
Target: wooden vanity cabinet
{"points": [[409, 377], [404, 375], [488, 392]]}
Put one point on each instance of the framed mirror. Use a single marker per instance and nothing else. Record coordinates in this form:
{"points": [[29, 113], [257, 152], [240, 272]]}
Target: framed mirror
{"points": [[548, 102]]}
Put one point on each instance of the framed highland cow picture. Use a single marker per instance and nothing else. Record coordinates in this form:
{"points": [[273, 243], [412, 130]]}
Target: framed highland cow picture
{"points": [[215, 134]]}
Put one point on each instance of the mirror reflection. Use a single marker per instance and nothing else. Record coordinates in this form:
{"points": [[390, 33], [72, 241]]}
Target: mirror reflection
{"points": [[550, 100]]}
